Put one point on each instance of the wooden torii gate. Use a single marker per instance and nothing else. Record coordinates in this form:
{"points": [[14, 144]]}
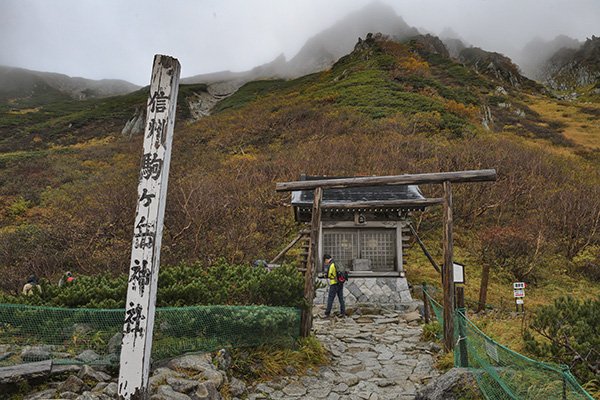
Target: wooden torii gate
{"points": [[444, 178]]}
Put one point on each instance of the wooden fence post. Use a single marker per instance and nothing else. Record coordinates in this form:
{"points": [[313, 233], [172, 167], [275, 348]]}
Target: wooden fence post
{"points": [[447, 272], [147, 232], [313, 261]]}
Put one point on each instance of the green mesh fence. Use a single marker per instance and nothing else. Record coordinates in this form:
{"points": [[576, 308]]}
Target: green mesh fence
{"points": [[92, 336], [505, 374]]}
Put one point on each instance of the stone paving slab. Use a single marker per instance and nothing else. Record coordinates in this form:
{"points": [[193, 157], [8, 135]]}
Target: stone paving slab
{"points": [[374, 357]]}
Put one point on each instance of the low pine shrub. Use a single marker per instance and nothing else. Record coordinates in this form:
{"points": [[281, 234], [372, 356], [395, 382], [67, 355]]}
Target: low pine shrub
{"points": [[181, 285]]}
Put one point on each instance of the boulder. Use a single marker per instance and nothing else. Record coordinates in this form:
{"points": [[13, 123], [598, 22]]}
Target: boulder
{"points": [[216, 377], [100, 386], [69, 395], [206, 391], [160, 376], [35, 353], [166, 392], [237, 387], [193, 362], [450, 386], [88, 373], [111, 390], [411, 316], [114, 344], [88, 356], [43, 395], [73, 384], [93, 396], [182, 385]]}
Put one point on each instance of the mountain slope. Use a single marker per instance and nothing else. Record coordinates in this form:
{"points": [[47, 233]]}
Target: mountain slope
{"points": [[385, 108], [23, 83]]}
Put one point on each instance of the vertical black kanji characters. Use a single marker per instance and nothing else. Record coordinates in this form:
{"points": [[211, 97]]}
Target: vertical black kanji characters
{"points": [[140, 276], [144, 235], [146, 198], [151, 166], [157, 127], [158, 102], [133, 319]]}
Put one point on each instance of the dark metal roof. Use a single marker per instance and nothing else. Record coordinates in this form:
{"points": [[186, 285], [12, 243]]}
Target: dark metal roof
{"points": [[303, 198]]}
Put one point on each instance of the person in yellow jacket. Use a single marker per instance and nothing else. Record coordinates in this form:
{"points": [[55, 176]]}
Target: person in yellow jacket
{"points": [[335, 288]]}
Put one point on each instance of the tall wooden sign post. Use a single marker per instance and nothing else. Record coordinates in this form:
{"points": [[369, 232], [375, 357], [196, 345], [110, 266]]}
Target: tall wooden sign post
{"points": [[147, 232]]}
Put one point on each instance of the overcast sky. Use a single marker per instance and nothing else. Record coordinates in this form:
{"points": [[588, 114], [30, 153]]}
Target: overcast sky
{"points": [[118, 38]]}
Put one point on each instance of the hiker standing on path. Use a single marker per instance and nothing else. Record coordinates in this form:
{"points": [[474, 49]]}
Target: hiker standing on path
{"points": [[336, 288]]}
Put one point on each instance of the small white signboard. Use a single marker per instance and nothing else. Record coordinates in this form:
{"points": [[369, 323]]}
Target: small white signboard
{"points": [[519, 285], [519, 292], [490, 349], [519, 301], [458, 272]]}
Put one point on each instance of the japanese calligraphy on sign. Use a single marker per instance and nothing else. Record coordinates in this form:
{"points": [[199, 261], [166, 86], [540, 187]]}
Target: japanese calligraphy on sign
{"points": [[133, 319], [151, 166], [140, 276], [158, 102], [157, 127], [146, 198], [144, 235]]}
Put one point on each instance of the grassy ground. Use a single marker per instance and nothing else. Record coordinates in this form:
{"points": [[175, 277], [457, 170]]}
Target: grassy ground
{"points": [[580, 121], [499, 321]]}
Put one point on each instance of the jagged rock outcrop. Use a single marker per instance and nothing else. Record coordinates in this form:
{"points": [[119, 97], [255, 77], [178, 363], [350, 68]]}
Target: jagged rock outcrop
{"points": [[534, 56], [430, 44], [496, 66], [135, 125], [569, 69]]}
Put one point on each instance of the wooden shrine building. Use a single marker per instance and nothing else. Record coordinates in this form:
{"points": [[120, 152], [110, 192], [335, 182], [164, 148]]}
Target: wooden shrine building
{"points": [[373, 248], [368, 239]]}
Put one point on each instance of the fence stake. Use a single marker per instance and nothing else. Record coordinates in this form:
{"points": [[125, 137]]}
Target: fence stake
{"points": [[425, 304], [462, 337]]}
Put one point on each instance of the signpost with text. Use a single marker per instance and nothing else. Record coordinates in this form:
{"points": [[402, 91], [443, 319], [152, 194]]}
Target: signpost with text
{"points": [[147, 233]]}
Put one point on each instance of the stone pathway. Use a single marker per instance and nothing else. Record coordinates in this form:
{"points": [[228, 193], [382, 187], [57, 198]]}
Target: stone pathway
{"points": [[374, 357]]}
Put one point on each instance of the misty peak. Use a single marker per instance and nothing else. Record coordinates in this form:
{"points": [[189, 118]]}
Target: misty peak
{"points": [[323, 49]]}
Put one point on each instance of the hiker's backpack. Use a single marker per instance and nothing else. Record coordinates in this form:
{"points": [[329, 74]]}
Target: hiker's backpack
{"points": [[341, 273]]}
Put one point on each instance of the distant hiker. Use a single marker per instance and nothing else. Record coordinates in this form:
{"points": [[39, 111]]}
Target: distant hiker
{"points": [[67, 278], [31, 285], [336, 287]]}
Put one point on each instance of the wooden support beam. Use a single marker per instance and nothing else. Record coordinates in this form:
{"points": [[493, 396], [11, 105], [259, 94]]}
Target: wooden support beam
{"points": [[313, 261], [385, 203], [447, 273], [483, 175], [422, 245], [287, 248]]}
